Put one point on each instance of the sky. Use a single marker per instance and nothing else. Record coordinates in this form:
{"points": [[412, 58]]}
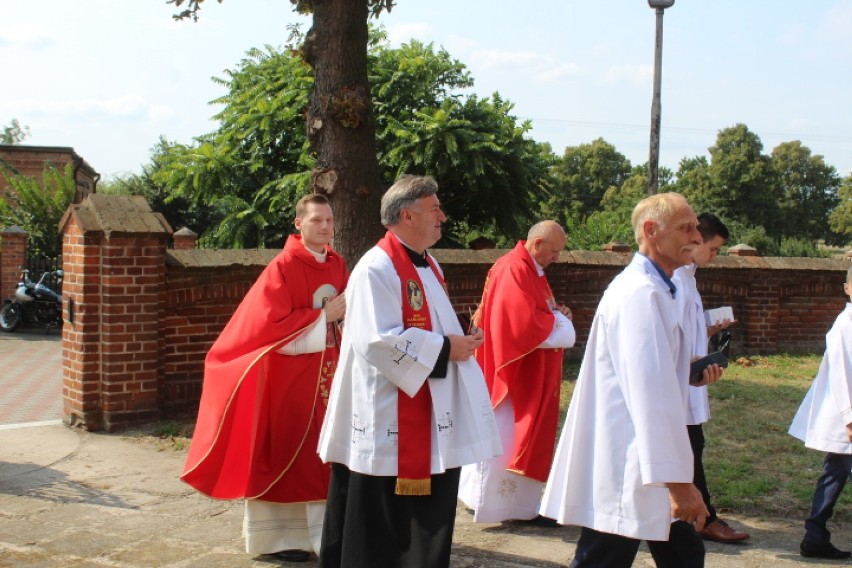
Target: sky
{"points": [[110, 77]]}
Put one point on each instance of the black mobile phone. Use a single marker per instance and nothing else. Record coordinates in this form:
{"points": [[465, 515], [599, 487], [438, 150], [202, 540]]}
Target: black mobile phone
{"points": [[696, 368]]}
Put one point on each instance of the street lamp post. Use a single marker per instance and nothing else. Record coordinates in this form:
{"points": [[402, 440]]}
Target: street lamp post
{"points": [[654, 157]]}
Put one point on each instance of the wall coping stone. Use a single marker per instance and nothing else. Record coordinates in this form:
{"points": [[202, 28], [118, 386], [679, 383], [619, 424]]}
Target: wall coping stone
{"points": [[210, 258], [603, 258], [116, 215], [185, 232]]}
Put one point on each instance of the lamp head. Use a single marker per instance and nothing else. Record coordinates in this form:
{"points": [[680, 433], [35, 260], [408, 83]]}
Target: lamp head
{"points": [[661, 3]]}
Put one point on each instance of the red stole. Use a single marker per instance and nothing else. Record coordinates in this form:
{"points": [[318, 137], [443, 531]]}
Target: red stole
{"points": [[414, 415]]}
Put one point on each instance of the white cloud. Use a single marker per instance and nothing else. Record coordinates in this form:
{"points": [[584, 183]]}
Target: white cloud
{"points": [[27, 37], [834, 29], [457, 43], [634, 74], [161, 113], [497, 58], [800, 125], [403, 33], [127, 106], [556, 73]]}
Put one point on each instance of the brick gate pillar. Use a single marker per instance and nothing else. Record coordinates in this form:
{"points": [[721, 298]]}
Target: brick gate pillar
{"points": [[113, 253], [13, 255]]}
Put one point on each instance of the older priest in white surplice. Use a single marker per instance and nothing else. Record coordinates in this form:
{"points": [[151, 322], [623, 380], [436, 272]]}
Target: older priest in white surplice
{"points": [[409, 405]]}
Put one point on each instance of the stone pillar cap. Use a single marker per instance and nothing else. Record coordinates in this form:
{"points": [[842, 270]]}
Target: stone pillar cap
{"points": [[742, 249]]}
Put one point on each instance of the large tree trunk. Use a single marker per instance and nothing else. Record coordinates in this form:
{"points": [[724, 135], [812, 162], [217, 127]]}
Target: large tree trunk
{"points": [[340, 123]]}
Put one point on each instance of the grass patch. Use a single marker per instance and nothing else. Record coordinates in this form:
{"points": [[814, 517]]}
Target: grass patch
{"points": [[753, 466], [167, 429], [166, 434]]}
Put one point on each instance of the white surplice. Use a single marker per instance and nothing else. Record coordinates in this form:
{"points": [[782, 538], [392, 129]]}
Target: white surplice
{"points": [[495, 493], [379, 357], [827, 408], [695, 332], [625, 434]]}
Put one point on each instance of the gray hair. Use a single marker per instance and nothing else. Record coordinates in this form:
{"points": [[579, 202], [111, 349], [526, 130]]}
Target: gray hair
{"points": [[403, 194], [658, 208]]}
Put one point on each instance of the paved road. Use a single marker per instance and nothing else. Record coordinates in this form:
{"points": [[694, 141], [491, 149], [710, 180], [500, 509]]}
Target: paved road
{"points": [[85, 500], [30, 377]]}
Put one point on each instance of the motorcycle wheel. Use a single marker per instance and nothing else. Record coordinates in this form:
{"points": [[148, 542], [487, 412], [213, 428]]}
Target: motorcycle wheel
{"points": [[11, 316]]}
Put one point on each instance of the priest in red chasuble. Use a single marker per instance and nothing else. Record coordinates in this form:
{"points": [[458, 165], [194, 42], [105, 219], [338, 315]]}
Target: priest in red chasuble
{"points": [[525, 334], [266, 385]]}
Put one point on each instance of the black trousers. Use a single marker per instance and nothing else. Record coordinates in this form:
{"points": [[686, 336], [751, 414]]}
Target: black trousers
{"points": [[367, 525], [836, 471], [696, 440], [684, 549]]}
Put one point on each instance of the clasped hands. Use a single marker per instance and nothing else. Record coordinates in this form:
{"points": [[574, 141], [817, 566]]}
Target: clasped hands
{"points": [[463, 346], [335, 308]]}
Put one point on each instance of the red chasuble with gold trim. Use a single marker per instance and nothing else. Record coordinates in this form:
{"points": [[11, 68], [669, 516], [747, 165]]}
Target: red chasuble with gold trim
{"points": [[516, 316], [261, 411]]}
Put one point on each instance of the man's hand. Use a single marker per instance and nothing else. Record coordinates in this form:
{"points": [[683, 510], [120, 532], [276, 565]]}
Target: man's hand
{"points": [[849, 431], [335, 308], [463, 346], [687, 504], [716, 328], [564, 310], [711, 373]]}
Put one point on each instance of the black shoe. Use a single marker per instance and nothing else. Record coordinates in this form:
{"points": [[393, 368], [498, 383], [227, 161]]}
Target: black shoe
{"points": [[826, 550], [293, 555], [540, 521]]}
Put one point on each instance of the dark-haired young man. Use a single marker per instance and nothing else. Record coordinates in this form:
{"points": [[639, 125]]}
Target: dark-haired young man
{"points": [[266, 384], [714, 234]]}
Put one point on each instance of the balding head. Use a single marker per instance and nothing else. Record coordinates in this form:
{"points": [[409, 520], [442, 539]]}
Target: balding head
{"points": [[545, 241]]}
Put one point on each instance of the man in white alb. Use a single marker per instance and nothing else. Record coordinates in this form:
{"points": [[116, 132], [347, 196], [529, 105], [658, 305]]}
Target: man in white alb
{"points": [[623, 466]]}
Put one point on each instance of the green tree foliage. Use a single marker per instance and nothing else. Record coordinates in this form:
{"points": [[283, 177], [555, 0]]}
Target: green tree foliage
{"points": [[14, 133], [808, 188], [254, 166], [797, 246], [257, 163], [612, 222], [744, 185], [777, 204], [178, 210], [581, 178], [38, 206], [840, 219], [339, 117]]}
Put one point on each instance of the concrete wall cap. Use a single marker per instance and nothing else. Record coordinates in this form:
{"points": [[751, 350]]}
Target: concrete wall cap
{"points": [[185, 232], [16, 229]]}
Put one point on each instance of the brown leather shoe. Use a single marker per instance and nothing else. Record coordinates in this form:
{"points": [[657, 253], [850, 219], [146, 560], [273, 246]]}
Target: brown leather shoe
{"points": [[720, 531]]}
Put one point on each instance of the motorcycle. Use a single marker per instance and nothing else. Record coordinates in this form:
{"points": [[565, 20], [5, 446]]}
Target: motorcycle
{"points": [[34, 303]]}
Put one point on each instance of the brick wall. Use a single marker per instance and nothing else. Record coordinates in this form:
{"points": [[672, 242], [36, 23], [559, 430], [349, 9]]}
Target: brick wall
{"points": [[202, 290], [144, 317], [13, 253], [31, 160], [114, 250]]}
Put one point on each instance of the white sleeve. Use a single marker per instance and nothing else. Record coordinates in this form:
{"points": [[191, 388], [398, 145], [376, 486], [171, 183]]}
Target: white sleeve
{"points": [[312, 340], [562, 336]]}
